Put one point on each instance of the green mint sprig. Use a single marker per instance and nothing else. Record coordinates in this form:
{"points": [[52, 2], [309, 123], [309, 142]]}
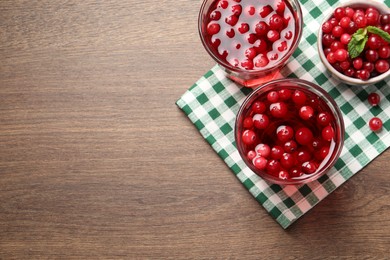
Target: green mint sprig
{"points": [[360, 37]]}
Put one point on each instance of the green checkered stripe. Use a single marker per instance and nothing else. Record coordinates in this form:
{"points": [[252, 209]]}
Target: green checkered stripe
{"points": [[213, 101]]}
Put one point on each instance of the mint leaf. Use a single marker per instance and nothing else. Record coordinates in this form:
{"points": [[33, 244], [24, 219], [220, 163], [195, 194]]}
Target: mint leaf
{"points": [[357, 43], [380, 32]]}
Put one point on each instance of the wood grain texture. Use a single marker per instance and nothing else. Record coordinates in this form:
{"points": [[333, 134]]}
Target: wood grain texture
{"points": [[96, 161]]}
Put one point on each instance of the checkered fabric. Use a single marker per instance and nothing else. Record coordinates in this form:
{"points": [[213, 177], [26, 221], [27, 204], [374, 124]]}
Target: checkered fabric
{"points": [[213, 101]]}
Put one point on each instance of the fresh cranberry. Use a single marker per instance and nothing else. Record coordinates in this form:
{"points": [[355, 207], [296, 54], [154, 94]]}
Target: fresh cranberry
{"points": [[374, 99], [339, 13], [344, 22], [236, 10], [215, 15], [327, 27], [336, 45], [337, 31], [374, 42], [349, 12], [303, 136], [384, 52], [360, 21], [363, 74], [357, 63], [372, 16], [260, 121], [371, 55], [385, 19], [382, 66], [243, 28], [341, 55], [322, 153], [223, 4], [296, 172], [375, 124], [330, 57], [345, 38], [231, 20], [327, 39], [369, 66]]}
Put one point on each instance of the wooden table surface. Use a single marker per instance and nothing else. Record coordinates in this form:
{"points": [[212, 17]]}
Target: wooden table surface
{"points": [[96, 160]]}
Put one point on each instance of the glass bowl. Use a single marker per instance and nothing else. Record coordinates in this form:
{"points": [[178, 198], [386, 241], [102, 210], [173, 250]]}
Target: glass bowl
{"points": [[383, 9], [289, 131], [238, 36]]}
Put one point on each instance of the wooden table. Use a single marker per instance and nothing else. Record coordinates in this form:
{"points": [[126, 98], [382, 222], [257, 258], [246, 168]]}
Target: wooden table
{"points": [[96, 161]]}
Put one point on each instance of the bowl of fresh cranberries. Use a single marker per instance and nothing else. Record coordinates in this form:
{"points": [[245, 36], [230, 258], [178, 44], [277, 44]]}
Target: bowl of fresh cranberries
{"points": [[251, 40], [289, 131], [354, 42]]}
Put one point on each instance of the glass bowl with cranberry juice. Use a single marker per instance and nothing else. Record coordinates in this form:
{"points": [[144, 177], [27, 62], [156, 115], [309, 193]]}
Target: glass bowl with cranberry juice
{"points": [[289, 131], [250, 39]]}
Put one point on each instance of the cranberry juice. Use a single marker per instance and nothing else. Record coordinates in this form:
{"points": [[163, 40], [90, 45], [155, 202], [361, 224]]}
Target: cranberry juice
{"points": [[288, 133], [250, 35]]}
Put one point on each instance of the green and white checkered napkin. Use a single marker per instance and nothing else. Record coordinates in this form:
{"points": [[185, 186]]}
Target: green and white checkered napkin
{"points": [[213, 101]]}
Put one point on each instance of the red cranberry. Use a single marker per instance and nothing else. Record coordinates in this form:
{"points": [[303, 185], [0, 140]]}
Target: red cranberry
{"points": [[371, 55], [323, 118], [273, 96], [273, 35], [213, 28], [261, 60], [236, 9], [382, 66], [374, 42], [341, 55], [265, 11], [287, 161], [363, 74], [337, 31], [249, 137], [284, 94], [284, 175], [290, 146], [260, 121], [303, 155], [284, 133], [327, 133], [339, 13], [327, 27], [260, 162], [374, 99], [251, 154], [261, 28], [384, 52], [243, 28], [372, 16], [276, 152], [278, 109], [215, 15], [303, 136], [276, 22], [258, 107], [309, 167], [375, 124], [345, 38], [248, 122], [306, 112], [231, 20], [360, 21], [385, 19], [299, 97], [357, 63], [273, 166], [263, 150]]}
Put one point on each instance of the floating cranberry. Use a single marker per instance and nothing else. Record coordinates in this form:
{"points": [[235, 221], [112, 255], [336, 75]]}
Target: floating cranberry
{"points": [[306, 112], [260, 121], [374, 99], [284, 94], [287, 161], [276, 22], [260, 162], [375, 124], [303, 136], [223, 4], [265, 11], [249, 137], [243, 28], [303, 155], [248, 122], [273, 96], [258, 107], [299, 97], [251, 155], [284, 175], [322, 153], [261, 28], [263, 150], [309, 167], [284, 133], [215, 15], [280, 7], [213, 28], [236, 10], [323, 118], [276, 152], [278, 109], [231, 20], [290, 146], [261, 60], [327, 133], [273, 35], [273, 166]]}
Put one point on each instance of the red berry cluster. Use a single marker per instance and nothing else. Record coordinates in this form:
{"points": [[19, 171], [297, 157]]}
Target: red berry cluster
{"points": [[337, 32], [251, 34], [288, 133], [375, 123]]}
